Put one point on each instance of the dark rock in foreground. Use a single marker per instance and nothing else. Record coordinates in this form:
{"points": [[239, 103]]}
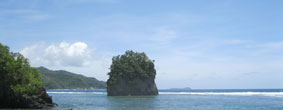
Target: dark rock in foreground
{"points": [[41, 100]]}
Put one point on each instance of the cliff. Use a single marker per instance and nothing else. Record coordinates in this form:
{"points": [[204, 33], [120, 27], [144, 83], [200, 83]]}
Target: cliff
{"points": [[136, 88], [132, 74]]}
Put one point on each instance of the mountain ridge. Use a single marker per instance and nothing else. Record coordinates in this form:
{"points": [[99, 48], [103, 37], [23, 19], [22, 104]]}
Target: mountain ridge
{"points": [[62, 79]]}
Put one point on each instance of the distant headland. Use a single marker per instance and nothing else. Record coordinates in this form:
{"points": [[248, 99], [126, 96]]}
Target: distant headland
{"points": [[61, 79]]}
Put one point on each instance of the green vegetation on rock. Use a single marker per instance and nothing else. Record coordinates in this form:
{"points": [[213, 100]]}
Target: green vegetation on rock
{"points": [[130, 66], [66, 80], [16, 74], [132, 73], [20, 85]]}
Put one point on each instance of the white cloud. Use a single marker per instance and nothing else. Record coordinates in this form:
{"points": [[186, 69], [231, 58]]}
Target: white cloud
{"points": [[22, 11], [76, 57], [272, 45], [76, 54], [26, 14], [38, 17], [95, 1], [163, 35]]}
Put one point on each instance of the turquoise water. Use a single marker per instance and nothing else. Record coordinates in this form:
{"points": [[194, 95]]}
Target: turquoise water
{"points": [[170, 100]]}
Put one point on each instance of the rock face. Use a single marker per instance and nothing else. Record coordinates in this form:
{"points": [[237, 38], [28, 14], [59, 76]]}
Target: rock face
{"points": [[132, 74], [41, 100], [137, 88]]}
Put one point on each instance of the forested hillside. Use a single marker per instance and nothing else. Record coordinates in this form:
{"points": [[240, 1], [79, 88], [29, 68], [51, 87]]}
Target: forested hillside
{"points": [[66, 80]]}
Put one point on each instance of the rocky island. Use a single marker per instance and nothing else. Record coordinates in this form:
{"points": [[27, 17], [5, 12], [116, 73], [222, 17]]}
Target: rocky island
{"points": [[131, 74], [20, 85]]}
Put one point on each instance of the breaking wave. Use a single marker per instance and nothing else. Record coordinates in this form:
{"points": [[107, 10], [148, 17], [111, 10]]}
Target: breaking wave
{"points": [[279, 94], [76, 92], [276, 94]]}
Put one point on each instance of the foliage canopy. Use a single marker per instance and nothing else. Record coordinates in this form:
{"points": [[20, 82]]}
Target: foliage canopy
{"points": [[16, 74], [131, 66]]}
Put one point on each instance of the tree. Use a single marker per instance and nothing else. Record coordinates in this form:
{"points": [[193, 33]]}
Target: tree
{"points": [[16, 74]]}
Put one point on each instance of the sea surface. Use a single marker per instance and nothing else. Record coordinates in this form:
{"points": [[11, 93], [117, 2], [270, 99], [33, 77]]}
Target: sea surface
{"points": [[199, 99]]}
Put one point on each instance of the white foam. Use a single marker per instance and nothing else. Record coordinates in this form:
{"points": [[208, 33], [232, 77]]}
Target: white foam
{"points": [[76, 92], [280, 94], [276, 94]]}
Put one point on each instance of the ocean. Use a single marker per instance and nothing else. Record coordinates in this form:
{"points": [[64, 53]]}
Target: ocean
{"points": [[199, 99]]}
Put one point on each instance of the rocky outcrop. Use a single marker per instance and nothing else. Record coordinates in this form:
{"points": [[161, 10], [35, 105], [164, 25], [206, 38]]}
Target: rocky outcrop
{"points": [[139, 87], [131, 74], [41, 100]]}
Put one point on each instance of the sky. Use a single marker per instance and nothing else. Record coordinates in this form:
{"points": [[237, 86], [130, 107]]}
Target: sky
{"points": [[202, 44]]}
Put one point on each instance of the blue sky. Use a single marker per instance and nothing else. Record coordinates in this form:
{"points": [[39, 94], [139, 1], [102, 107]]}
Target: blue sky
{"points": [[221, 44]]}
